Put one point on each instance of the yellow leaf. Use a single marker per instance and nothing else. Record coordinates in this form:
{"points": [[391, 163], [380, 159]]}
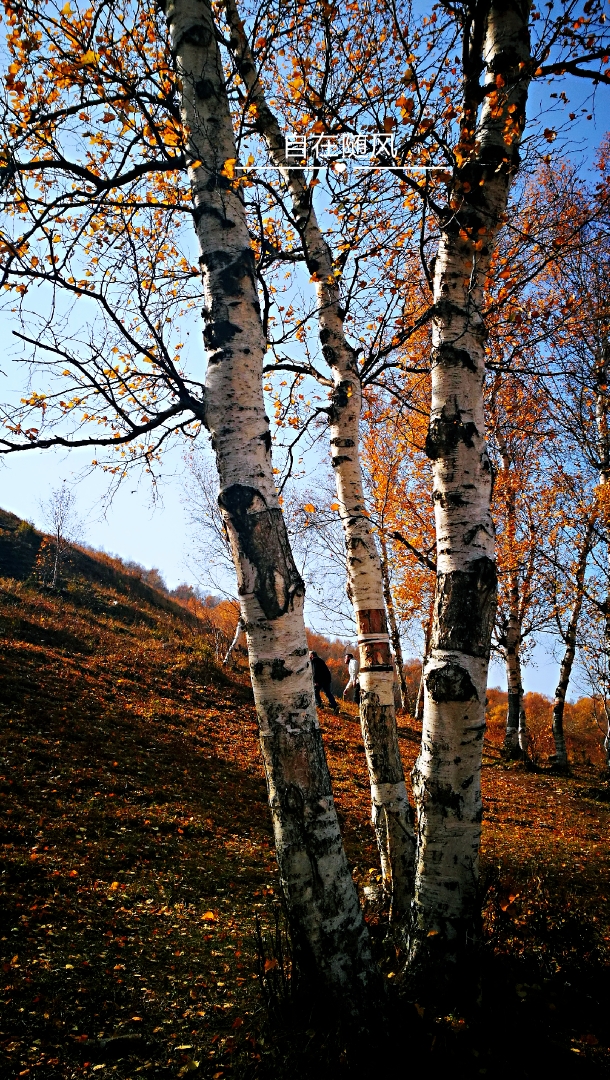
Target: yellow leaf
{"points": [[114, 886], [309, 508], [228, 168], [66, 10], [335, 506], [209, 916], [90, 57]]}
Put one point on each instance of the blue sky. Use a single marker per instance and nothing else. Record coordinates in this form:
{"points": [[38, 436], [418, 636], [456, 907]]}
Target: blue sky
{"points": [[153, 527]]}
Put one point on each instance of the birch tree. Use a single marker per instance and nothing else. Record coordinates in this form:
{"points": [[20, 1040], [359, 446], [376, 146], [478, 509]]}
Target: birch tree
{"points": [[525, 509], [60, 513], [569, 636], [391, 811], [498, 63], [329, 932], [580, 399], [468, 204], [143, 395]]}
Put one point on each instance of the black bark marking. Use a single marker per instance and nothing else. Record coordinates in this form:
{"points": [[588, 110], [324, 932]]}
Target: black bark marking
{"points": [[470, 534], [336, 461], [205, 89], [263, 540], [230, 270], [266, 440], [452, 357], [196, 35], [339, 400], [219, 182], [465, 607], [219, 333], [448, 800], [200, 211], [278, 670], [450, 683], [449, 498], [446, 432], [445, 309], [342, 442]]}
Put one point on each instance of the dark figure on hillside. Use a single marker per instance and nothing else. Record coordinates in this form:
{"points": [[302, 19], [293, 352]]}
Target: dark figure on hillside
{"points": [[321, 681]]}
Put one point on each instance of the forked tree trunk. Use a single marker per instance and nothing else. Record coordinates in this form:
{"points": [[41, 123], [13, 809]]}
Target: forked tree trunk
{"points": [[560, 759], [394, 631], [447, 771], [391, 812], [330, 935]]}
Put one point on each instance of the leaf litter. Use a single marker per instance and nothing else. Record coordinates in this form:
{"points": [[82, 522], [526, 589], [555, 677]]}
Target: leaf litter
{"points": [[137, 852]]}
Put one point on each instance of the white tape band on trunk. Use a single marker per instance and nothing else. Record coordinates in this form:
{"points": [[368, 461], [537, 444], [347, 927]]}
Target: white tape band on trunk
{"points": [[364, 638]]}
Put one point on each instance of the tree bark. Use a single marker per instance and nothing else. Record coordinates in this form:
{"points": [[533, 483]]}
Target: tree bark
{"points": [[394, 632], [603, 443], [330, 935], [514, 737], [447, 771], [419, 704], [515, 689], [560, 759], [391, 811]]}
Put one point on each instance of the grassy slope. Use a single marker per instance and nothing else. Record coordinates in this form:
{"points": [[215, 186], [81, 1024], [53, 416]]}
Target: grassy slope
{"points": [[137, 850]]}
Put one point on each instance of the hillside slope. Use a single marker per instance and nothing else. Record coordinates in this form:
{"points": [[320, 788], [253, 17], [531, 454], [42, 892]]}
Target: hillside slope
{"points": [[137, 851], [135, 835]]}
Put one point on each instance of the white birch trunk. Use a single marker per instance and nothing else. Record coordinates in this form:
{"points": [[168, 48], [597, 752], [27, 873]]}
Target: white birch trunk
{"points": [[391, 811], [560, 759], [512, 744], [603, 442], [512, 636], [327, 924], [239, 633], [394, 632], [516, 739], [447, 772]]}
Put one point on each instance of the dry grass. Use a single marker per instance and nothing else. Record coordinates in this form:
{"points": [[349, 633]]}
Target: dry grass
{"points": [[137, 851]]}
